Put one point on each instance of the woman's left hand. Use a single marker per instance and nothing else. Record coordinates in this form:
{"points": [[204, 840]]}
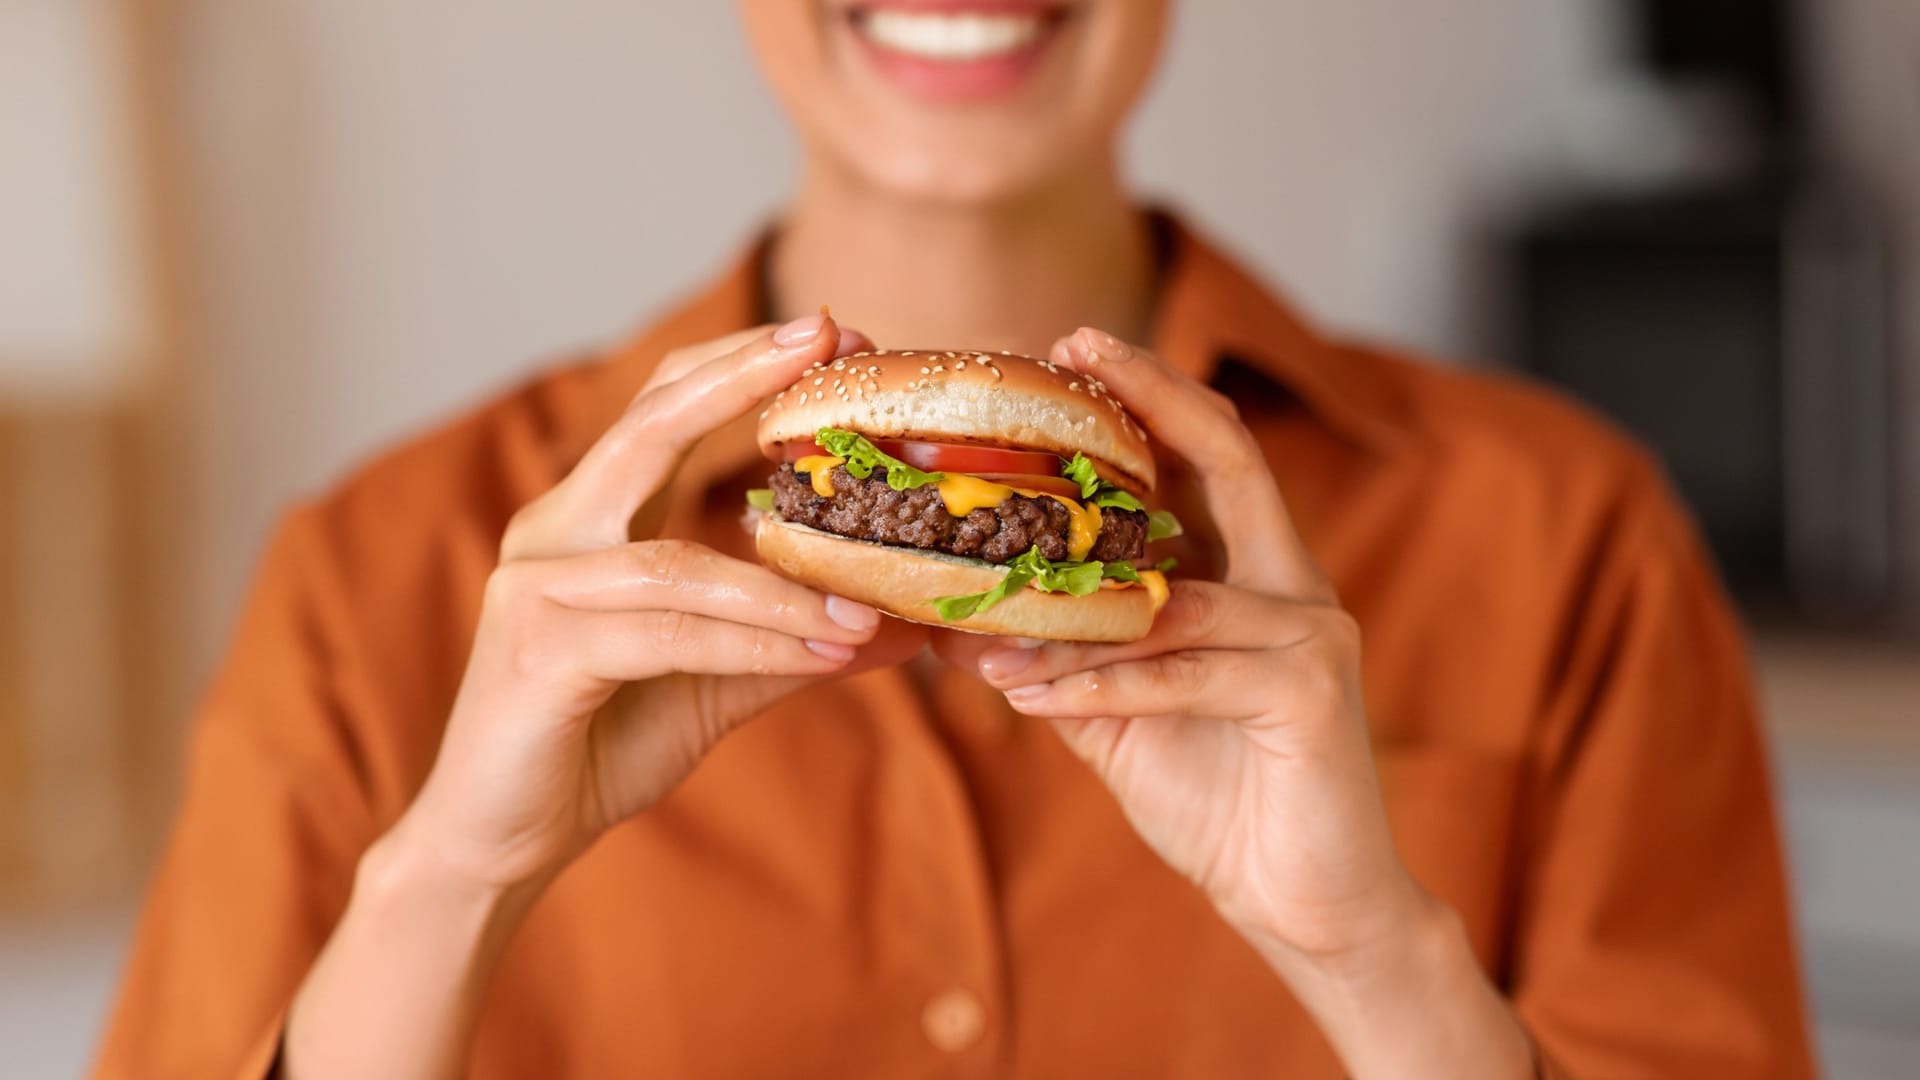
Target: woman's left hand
{"points": [[1235, 740], [1233, 735]]}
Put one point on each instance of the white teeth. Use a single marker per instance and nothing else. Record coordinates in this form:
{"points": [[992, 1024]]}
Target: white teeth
{"points": [[940, 36]]}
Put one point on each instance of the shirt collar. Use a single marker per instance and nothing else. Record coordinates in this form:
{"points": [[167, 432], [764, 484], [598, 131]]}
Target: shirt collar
{"points": [[1209, 311]]}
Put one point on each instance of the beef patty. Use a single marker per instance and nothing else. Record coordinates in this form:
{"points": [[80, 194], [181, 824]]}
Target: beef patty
{"points": [[870, 510]]}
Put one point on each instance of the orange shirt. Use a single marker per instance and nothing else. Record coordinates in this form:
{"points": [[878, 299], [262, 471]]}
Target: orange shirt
{"points": [[898, 876]]}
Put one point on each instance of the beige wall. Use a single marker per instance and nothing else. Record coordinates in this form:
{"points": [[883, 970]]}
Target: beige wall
{"points": [[403, 205], [1868, 96]]}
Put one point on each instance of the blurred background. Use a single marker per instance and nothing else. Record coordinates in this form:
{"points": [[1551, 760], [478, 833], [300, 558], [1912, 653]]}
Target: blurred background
{"points": [[244, 243]]}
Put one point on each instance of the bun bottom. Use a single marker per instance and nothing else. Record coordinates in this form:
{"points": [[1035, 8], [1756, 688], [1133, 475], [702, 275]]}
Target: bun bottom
{"points": [[900, 582]]}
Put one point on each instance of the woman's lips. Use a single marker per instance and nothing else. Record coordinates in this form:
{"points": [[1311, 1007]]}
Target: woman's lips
{"points": [[956, 50]]}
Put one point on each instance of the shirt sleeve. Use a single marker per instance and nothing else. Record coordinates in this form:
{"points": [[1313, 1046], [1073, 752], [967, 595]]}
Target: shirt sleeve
{"points": [[262, 854], [1654, 936]]}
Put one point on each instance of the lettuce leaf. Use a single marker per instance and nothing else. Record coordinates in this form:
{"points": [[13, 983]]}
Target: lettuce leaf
{"points": [[863, 457], [1114, 497], [761, 499], [956, 608], [1032, 568], [1162, 525], [1095, 490], [1080, 471]]}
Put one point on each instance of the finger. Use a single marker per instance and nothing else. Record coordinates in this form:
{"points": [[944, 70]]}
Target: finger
{"points": [[963, 650], [896, 642], [679, 362], [1221, 401], [744, 698], [629, 646], [636, 457], [1211, 683], [853, 341], [645, 446], [1264, 551], [1199, 614], [678, 575]]}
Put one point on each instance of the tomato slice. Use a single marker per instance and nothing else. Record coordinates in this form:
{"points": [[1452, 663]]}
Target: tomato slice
{"points": [[977, 460], [1030, 467]]}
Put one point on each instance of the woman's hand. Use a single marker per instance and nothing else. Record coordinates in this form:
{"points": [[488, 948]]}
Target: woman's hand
{"points": [[1235, 739], [605, 666]]}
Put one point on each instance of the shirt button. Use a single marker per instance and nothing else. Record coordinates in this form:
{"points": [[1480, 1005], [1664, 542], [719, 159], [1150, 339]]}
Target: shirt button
{"points": [[954, 1020]]}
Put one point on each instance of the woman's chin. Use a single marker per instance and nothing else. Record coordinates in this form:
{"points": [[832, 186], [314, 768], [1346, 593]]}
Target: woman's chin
{"points": [[947, 167]]}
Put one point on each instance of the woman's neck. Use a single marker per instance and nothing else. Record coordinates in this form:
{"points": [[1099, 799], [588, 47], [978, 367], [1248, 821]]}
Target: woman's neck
{"points": [[1012, 276]]}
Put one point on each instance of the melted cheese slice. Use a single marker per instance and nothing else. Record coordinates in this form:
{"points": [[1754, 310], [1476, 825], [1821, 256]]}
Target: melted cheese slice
{"points": [[817, 466], [1084, 530], [964, 494], [1156, 583], [1153, 581]]}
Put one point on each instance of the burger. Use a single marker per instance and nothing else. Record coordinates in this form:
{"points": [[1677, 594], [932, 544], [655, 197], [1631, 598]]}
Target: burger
{"points": [[990, 493]]}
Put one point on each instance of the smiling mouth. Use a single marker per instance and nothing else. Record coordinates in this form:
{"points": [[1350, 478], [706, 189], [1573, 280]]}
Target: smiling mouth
{"points": [[955, 37]]}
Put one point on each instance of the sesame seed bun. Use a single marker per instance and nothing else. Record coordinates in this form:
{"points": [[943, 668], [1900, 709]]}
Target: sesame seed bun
{"points": [[969, 397], [901, 581]]}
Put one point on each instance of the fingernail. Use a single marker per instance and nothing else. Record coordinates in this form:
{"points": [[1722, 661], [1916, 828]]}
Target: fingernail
{"points": [[1006, 663], [1028, 695], [1104, 346], [799, 331], [832, 650], [852, 614], [852, 341]]}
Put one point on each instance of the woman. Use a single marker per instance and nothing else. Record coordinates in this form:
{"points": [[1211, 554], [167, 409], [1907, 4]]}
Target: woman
{"points": [[478, 788]]}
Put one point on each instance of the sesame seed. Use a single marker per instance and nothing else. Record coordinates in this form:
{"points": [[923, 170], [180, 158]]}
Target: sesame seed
{"points": [[819, 395], [1006, 352], [939, 367], [819, 380], [764, 412], [906, 354], [839, 365], [1073, 386], [959, 365]]}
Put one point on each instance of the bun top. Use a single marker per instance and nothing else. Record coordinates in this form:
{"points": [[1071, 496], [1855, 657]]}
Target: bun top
{"points": [[985, 399]]}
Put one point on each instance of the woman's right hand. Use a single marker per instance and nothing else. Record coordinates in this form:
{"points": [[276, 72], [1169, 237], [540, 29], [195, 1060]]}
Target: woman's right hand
{"points": [[606, 664]]}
